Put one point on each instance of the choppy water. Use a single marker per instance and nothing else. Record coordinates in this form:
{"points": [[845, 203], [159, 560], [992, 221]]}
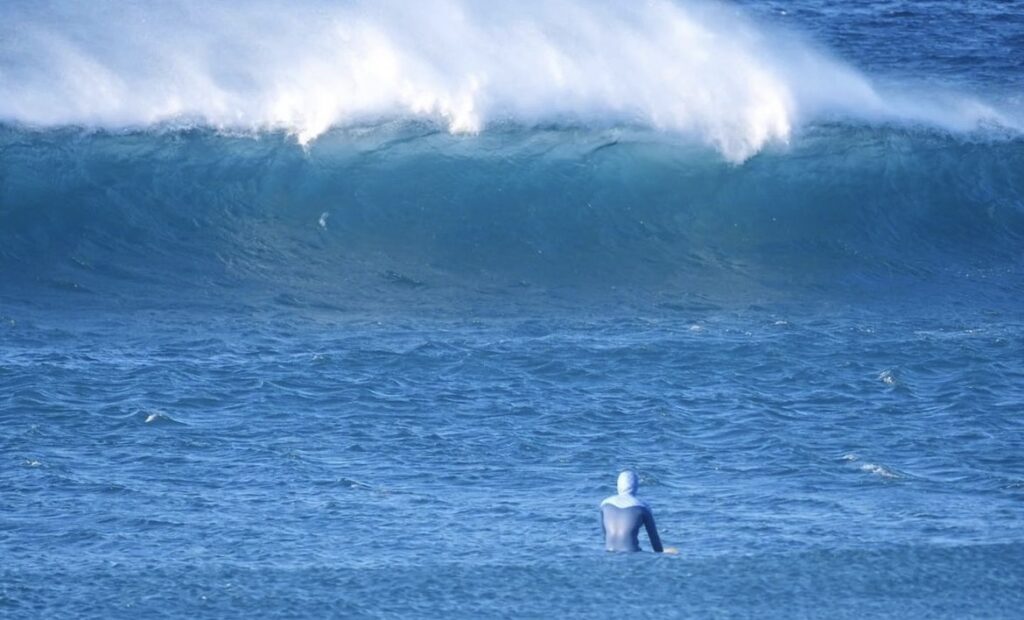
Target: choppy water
{"points": [[362, 318]]}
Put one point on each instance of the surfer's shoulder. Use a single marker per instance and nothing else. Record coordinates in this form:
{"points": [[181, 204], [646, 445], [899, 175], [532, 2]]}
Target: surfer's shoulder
{"points": [[619, 501]]}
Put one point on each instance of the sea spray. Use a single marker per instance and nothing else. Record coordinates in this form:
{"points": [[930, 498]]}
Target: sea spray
{"points": [[701, 70]]}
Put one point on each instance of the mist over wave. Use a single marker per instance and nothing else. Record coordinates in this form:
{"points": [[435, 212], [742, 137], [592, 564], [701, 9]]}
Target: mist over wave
{"points": [[702, 70]]}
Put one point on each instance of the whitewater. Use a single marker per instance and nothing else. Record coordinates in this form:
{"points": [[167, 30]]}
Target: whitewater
{"points": [[701, 70], [357, 309]]}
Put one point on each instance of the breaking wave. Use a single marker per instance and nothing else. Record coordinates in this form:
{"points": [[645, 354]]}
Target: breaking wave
{"points": [[336, 150]]}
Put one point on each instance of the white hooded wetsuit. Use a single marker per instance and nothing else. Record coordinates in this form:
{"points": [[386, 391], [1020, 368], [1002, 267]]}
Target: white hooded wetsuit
{"points": [[623, 514]]}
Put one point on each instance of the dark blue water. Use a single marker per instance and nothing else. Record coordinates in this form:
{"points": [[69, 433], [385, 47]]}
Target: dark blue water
{"points": [[271, 350]]}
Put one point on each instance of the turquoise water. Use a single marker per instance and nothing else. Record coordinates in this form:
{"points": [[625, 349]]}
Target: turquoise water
{"points": [[256, 364]]}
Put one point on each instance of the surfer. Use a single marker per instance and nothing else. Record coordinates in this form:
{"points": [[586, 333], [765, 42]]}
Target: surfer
{"points": [[623, 514]]}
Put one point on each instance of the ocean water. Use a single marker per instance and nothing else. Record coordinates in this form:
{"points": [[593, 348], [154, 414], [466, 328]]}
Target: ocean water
{"points": [[356, 309]]}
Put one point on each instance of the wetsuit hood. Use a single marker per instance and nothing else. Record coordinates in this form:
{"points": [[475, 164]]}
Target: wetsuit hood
{"points": [[627, 483]]}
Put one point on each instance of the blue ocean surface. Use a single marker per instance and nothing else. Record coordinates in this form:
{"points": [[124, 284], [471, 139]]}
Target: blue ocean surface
{"points": [[357, 309]]}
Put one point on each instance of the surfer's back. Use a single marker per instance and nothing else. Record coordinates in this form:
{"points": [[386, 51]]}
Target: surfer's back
{"points": [[622, 526]]}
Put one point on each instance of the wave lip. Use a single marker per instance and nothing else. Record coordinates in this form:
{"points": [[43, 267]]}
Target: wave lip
{"points": [[703, 70]]}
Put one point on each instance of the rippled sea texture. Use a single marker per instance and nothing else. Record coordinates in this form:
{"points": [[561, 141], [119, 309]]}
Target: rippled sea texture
{"points": [[857, 464], [391, 371]]}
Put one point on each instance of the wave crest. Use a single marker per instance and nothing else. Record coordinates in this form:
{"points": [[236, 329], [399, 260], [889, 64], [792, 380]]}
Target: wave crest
{"points": [[699, 69]]}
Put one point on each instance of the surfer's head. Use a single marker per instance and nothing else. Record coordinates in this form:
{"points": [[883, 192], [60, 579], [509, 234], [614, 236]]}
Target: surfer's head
{"points": [[627, 482]]}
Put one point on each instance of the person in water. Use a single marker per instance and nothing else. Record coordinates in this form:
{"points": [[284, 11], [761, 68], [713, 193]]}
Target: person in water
{"points": [[623, 514]]}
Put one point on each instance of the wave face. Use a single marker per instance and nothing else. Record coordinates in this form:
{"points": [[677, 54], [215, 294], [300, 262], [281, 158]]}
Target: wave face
{"points": [[704, 71], [414, 209]]}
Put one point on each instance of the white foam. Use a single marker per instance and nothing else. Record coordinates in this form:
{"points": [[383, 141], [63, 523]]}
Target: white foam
{"points": [[878, 470], [698, 69], [159, 417]]}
